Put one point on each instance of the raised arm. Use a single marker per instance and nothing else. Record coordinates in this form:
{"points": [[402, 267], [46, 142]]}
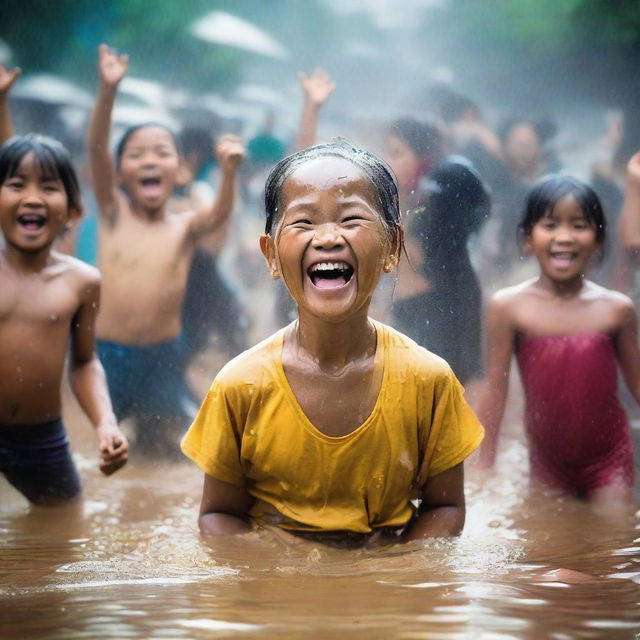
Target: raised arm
{"points": [[224, 508], [7, 78], [492, 398], [629, 225], [89, 383], [229, 154], [316, 89], [112, 68], [627, 349]]}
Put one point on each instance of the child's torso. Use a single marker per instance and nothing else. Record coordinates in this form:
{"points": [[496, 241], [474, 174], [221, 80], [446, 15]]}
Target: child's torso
{"points": [[36, 312], [144, 266]]}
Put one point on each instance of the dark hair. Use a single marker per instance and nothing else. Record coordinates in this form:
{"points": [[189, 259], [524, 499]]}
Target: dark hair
{"points": [[199, 141], [549, 190], [375, 171], [51, 158], [122, 143], [425, 138], [455, 205]]}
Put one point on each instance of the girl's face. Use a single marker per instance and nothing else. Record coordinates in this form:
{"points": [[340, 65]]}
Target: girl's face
{"points": [[329, 244], [563, 241], [34, 207], [149, 167], [404, 161]]}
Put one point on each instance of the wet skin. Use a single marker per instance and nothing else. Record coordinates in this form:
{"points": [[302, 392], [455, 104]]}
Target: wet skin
{"points": [[47, 300]]}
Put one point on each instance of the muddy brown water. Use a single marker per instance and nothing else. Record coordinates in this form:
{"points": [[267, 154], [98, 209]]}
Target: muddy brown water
{"points": [[129, 563]]}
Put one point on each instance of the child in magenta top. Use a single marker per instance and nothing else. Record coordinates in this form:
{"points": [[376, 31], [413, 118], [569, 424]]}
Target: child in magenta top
{"points": [[568, 335]]}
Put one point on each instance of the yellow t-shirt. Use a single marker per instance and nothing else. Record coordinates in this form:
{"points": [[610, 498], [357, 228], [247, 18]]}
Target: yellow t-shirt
{"points": [[252, 432]]}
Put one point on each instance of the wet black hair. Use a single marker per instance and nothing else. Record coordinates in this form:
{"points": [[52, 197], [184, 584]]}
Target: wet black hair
{"points": [[549, 190], [51, 157], [424, 137], [456, 205], [375, 170], [122, 143]]}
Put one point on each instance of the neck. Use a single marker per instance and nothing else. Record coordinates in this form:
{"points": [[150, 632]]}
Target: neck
{"points": [[562, 289], [334, 345], [149, 213], [25, 261]]}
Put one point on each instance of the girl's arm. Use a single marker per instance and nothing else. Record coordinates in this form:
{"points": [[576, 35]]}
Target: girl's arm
{"points": [[224, 508], [627, 348], [629, 225], [229, 155], [442, 511], [494, 388], [89, 382], [112, 68], [316, 88], [7, 78]]}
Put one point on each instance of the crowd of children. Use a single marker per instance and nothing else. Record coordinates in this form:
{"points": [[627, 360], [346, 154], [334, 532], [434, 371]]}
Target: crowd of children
{"points": [[338, 425]]}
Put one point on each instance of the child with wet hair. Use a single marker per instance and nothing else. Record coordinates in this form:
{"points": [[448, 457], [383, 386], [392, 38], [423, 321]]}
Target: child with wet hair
{"points": [[145, 251], [568, 335], [48, 307], [333, 425]]}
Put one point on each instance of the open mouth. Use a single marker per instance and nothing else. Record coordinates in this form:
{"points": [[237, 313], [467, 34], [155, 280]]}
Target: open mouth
{"points": [[150, 182], [32, 221], [563, 257], [330, 275]]}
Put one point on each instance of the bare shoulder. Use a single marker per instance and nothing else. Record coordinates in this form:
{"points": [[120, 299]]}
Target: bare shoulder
{"points": [[506, 299], [618, 302], [84, 274]]}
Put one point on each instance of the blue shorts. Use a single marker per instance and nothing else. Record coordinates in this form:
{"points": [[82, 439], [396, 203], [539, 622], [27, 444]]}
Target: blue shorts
{"points": [[147, 380], [36, 460]]}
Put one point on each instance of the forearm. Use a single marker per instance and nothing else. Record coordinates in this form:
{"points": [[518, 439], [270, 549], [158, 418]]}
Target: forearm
{"points": [[437, 522], [6, 126], [308, 126], [89, 385], [490, 412], [217, 523], [223, 204], [100, 124], [630, 219]]}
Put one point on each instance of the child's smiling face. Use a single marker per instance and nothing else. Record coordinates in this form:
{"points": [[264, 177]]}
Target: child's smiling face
{"points": [[330, 243], [563, 241], [149, 167], [34, 207]]}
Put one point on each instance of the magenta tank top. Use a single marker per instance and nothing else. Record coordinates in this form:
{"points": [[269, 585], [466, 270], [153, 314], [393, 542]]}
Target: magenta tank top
{"points": [[579, 438]]}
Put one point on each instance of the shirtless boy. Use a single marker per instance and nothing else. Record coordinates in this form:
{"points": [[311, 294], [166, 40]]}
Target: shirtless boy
{"points": [[145, 251]]}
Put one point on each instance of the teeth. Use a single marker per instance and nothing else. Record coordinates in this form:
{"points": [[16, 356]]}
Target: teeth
{"points": [[330, 266]]}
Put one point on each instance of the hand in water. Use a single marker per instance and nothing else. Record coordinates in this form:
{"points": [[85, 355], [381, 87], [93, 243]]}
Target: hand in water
{"points": [[114, 449]]}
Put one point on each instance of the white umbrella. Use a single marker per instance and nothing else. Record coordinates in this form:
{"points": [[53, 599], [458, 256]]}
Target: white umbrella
{"points": [[224, 28], [51, 89]]}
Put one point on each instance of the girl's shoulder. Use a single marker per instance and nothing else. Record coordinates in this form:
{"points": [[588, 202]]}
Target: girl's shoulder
{"points": [[249, 368], [508, 296], [616, 300]]}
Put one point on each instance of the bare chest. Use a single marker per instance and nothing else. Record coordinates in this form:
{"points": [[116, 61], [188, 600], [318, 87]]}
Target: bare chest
{"points": [[37, 301], [133, 246]]}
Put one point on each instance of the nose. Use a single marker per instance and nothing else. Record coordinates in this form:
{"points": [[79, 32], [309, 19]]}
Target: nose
{"points": [[327, 236], [32, 196], [563, 234]]}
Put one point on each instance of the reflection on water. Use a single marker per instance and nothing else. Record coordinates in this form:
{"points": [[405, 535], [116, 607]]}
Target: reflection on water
{"points": [[128, 563]]}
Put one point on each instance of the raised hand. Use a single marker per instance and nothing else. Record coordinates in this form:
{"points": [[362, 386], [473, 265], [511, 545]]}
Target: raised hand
{"points": [[633, 170], [230, 152], [317, 87], [7, 78], [112, 66]]}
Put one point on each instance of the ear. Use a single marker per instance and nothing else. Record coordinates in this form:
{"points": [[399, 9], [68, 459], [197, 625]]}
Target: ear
{"points": [[268, 249], [73, 216]]}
